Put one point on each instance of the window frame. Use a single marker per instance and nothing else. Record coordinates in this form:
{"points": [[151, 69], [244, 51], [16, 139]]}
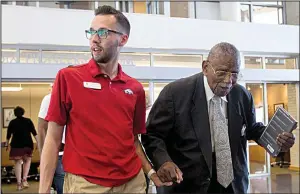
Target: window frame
{"points": [[282, 6]]}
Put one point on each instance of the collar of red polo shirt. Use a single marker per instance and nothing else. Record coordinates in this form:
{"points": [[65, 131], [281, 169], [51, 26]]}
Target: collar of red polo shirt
{"points": [[95, 70]]}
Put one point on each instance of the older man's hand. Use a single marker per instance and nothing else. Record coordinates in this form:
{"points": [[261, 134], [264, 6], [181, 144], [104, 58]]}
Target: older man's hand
{"points": [[285, 141]]}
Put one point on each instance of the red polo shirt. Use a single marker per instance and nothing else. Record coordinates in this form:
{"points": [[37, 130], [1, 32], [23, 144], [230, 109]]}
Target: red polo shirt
{"points": [[102, 117]]}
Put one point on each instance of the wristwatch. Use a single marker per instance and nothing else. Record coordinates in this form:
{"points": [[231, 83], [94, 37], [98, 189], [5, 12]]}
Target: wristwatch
{"points": [[152, 171]]}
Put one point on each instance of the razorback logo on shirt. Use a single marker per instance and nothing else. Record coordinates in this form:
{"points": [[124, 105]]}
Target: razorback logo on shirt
{"points": [[128, 91]]}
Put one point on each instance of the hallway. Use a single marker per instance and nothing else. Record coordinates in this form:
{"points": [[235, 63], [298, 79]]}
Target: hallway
{"points": [[282, 180]]}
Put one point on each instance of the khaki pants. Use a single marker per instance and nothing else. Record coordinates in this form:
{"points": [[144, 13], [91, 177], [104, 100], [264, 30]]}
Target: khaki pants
{"points": [[77, 184]]}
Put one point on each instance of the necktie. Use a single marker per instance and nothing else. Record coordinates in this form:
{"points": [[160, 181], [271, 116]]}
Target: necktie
{"points": [[221, 142]]}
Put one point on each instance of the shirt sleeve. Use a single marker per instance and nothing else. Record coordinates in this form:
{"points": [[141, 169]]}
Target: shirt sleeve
{"points": [[59, 101], [44, 107], [139, 120]]}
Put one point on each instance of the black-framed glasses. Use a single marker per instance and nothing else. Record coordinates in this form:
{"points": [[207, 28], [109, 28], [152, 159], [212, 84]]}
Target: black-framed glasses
{"points": [[102, 33], [224, 74]]}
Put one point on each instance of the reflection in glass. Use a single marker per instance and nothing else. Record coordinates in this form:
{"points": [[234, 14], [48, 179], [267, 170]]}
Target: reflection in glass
{"points": [[257, 156], [9, 56], [85, 5], [147, 93], [245, 13], [260, 185], [257, 92], [6, 2], [29, 56], [65, 57], [26, 3], [265, 15], [171, 60], [280, 63], [49, 4], [135, 59], [179, 9], [253, 63]]}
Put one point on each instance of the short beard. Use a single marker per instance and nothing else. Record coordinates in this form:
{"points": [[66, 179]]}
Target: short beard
{"points": [[102, 59], [107, 56]]}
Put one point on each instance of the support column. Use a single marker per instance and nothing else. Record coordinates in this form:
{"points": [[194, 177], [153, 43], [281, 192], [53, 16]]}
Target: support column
{"points": [[167, 8], [293, 109], [192, 9], [230, 11]]}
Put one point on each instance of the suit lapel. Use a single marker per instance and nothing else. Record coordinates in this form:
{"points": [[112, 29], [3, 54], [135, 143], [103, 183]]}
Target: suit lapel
{"points": [[235, 121], [199, 114]]}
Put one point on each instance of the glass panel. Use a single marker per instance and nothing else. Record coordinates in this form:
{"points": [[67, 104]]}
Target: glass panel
{"points": [[29, 56], [65, 57], [170, 60], [50, 4], [265, 15], [280, 63], [161, 7], [147, 93], [257, 156], [277, 94], [26, 3], [29, 96], [158, 88], [280, 17], [265, 3], [179, 9], [110, 3], [85, 5], [253, 63], [286, 96], [9, 56], [140, 6], [135, 59], [258, 97], [245, 13], [260, 185], [6, 2], [123, 6]]}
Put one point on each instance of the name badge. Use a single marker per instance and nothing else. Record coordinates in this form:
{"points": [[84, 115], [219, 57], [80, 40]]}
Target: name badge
{"points": [[92, 85]]}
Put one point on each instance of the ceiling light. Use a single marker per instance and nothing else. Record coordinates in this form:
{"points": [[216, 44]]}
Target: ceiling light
{"points": [[11, 89]]}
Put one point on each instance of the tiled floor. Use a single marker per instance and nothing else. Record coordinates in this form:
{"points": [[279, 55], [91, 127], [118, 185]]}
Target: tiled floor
{"points": [[282, 180]]}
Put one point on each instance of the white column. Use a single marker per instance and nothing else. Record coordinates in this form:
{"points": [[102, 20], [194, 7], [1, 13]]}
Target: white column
{"points": [[167, 8], [242, 82], [192, 9], [230, 11]]}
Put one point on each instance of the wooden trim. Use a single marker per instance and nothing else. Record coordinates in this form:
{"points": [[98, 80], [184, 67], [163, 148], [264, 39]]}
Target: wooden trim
{"points": [[294, 168]]}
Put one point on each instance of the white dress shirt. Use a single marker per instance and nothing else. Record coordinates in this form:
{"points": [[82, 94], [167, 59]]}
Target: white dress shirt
{"points": [[209, 95], [43, 113]]}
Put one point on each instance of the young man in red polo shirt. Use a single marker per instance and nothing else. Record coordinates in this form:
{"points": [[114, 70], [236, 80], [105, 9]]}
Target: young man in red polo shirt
{"points": [[104, 111]]}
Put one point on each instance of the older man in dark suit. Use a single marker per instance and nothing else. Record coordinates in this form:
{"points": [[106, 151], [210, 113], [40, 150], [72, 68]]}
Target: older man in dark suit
{"points": [[198, 128]]}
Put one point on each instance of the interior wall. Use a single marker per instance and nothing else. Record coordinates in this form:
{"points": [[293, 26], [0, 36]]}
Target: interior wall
{"points": [[277, 93]]}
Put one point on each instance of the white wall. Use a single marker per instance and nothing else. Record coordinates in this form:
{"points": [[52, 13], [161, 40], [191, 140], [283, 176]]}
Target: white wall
{"points": [[208, 10], [31, 25]]}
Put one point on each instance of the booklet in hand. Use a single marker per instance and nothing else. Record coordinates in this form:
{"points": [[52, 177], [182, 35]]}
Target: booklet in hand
{"points": [[281, 122]]}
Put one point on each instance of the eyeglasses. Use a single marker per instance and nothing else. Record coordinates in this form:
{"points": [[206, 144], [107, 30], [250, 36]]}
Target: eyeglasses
{"points": [[225, 74], [102, 33]]}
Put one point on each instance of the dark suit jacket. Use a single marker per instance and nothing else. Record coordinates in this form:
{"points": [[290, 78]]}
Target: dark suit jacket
{"points": [[178, 130]]}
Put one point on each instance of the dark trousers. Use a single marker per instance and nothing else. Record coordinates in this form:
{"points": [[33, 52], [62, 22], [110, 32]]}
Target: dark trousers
{"points": [[215, 186], [147, 183], [59, 176]]}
